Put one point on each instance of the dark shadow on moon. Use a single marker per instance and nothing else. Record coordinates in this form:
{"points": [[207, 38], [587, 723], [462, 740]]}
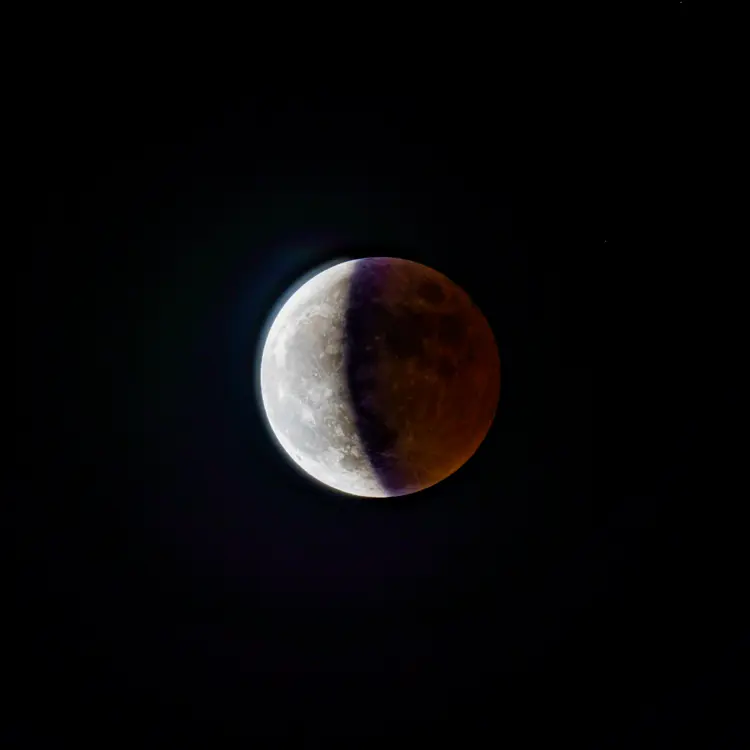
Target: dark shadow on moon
{"points": [[378, 325], [367, 316], [399, 320]]}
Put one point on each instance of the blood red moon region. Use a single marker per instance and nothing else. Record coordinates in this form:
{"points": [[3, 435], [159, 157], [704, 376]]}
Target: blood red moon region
{"points": [[381, 378]]}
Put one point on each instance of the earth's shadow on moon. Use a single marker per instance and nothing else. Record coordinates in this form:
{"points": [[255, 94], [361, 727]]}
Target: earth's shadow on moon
{"points": [[366, 314], [384, 324]]}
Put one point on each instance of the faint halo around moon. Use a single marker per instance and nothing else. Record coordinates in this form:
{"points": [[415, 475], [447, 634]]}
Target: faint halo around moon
{"points": [[379, 377]]}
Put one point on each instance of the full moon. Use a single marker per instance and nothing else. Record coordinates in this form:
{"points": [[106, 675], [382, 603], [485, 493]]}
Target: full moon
{"points": [[379, 377]]}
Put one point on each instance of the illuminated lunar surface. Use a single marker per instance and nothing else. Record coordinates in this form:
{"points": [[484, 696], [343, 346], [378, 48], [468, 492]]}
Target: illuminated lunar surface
{"points": [[379, 377]]}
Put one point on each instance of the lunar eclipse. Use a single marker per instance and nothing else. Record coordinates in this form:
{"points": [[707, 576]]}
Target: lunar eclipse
{"points": [[379, 377]]}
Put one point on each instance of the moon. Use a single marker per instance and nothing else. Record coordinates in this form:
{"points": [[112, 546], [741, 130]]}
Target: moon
{"points": [[379, 377]]}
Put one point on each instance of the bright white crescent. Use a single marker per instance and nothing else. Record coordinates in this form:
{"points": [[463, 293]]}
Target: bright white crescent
{"points": [[304, 386]]}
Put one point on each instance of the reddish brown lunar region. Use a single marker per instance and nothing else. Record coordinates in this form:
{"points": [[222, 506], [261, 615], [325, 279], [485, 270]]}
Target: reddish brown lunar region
{"points": [[423, 371]]}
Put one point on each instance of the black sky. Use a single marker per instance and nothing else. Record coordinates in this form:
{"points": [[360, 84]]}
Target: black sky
{"points": [[177, 577]]}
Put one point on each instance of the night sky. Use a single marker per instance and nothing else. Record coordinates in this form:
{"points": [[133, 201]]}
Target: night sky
{"points": [[179, 579]]}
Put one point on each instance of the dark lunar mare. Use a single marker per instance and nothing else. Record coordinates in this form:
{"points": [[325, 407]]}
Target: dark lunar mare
{"points": [[367, 315]]}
